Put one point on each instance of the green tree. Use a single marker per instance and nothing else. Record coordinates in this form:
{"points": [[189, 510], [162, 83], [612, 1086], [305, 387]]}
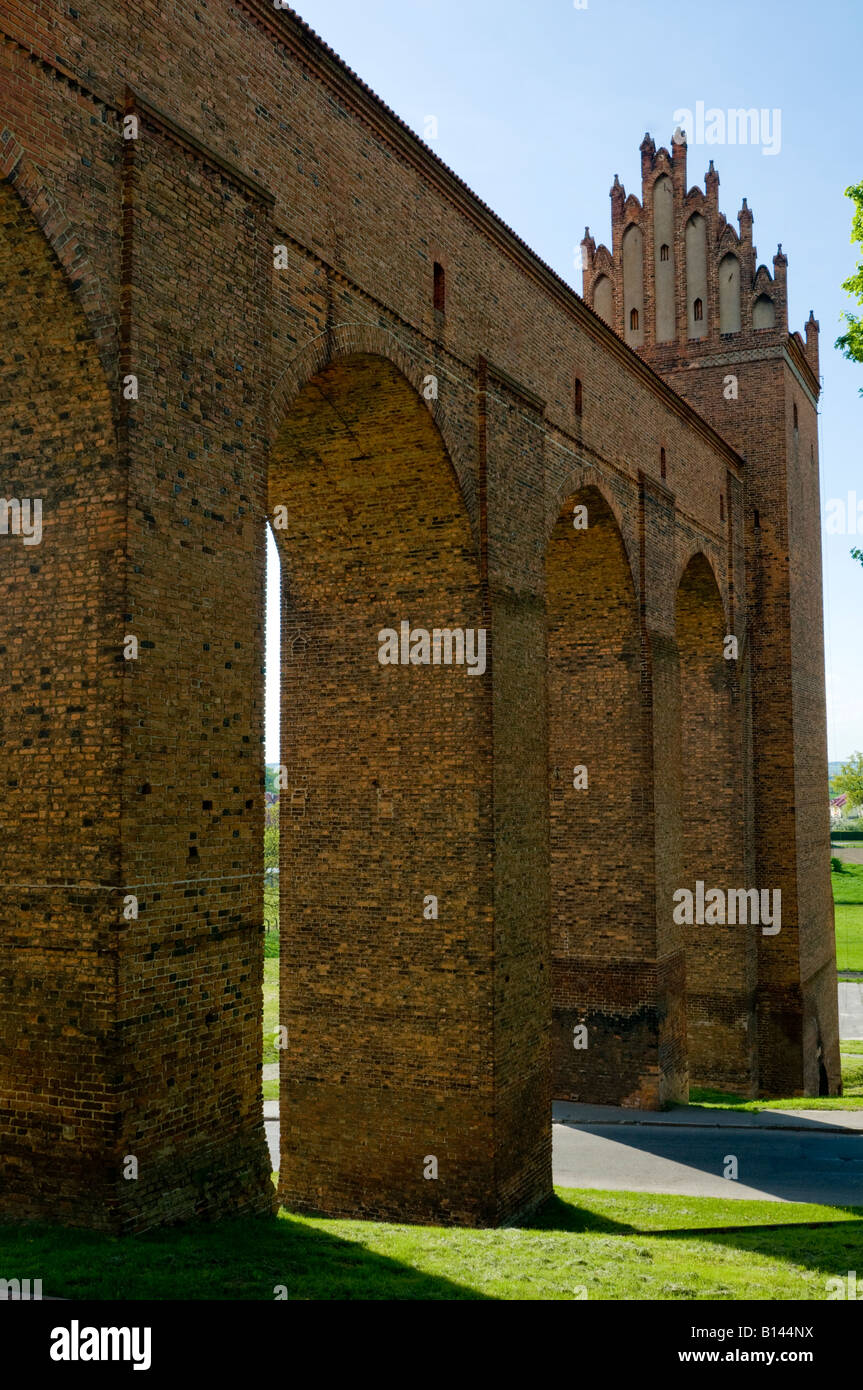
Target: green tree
{"points": [[271, 881], [851, 341], [849, 779], [271, 847]]}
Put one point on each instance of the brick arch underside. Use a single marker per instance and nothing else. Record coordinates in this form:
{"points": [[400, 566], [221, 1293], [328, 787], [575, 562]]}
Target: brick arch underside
{"points": [[59, 734], [355, 340], [602, 916], [389, 1055], [720, 959]]}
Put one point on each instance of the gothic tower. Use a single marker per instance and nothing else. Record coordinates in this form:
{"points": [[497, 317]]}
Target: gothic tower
{"points": [[683, 288]]}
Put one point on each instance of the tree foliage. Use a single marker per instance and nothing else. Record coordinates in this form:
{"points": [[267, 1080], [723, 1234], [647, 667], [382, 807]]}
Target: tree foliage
{"points": [[849, 779], [851, 341], [271, 847], [271, 881]]}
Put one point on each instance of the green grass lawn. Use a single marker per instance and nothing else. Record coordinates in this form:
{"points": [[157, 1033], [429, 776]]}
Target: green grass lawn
{"points": [[848, 900], [613, 1245], [271, 1007], [851, 1055]]}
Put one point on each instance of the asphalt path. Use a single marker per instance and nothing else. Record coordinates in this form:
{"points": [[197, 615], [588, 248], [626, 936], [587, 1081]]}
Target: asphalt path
{"points": [[811, 1163]]}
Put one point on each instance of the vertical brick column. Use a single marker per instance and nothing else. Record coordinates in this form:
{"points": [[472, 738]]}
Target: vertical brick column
{"points": [[61, 587], [602, 909], [720, 955], [661, 705], [197, 261], [414, 1083], [511, 475]]}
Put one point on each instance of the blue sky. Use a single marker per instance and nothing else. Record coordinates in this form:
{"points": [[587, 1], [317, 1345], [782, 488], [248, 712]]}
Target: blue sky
{"points": [[540, 103]]}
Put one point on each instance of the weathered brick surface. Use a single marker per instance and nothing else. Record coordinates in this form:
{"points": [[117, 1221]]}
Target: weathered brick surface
{"points": [[759, 387], [304, 385]]}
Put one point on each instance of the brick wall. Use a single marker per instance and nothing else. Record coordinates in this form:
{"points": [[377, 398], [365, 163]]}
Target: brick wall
{"points": [[408, 1037]]}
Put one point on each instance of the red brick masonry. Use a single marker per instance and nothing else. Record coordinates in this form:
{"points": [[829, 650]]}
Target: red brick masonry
{"points": [[166, 380]]}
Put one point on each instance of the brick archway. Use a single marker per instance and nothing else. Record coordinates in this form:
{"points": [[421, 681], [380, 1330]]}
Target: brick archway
{"points": [[357, 338], [585, 477], [720, 958], [602, 912], [388, 804], [21, 174]]}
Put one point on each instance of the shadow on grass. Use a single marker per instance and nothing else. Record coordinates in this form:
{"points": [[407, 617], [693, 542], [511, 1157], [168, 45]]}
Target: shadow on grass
{"points": [[247, 1259], [823, 1245], [820, 1247], [558, 1214], [241, 1259]]}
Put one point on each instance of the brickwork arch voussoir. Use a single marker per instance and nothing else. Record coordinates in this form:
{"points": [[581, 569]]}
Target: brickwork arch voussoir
{"points": [[583, 476], [346, 340], [700, 553], [26, 181]]}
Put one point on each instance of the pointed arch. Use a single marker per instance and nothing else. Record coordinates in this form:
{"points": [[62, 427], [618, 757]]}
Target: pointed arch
{"points": [[585, 481], [695, 241], [632, 261], [720, 958], [764, 312], [600, 850], [359, 338], [66, 247], [663, 253], [729, 294]]}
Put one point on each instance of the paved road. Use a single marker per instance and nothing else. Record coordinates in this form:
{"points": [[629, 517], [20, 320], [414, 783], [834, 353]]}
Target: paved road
{"points": [[849, 851], [813, 1164]]}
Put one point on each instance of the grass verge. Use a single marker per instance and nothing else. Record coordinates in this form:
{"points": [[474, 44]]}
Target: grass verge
{"points": [[611, 1245], [848, 904], [851, 1056], [271, 1008]]}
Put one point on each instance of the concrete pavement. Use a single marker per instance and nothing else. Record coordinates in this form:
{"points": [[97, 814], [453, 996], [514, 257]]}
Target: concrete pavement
{"points": [[783, 1156]]}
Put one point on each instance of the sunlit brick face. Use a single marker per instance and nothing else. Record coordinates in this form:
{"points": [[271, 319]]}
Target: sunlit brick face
{"points": [[600, 910], [719, 957], [386, 800]]}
